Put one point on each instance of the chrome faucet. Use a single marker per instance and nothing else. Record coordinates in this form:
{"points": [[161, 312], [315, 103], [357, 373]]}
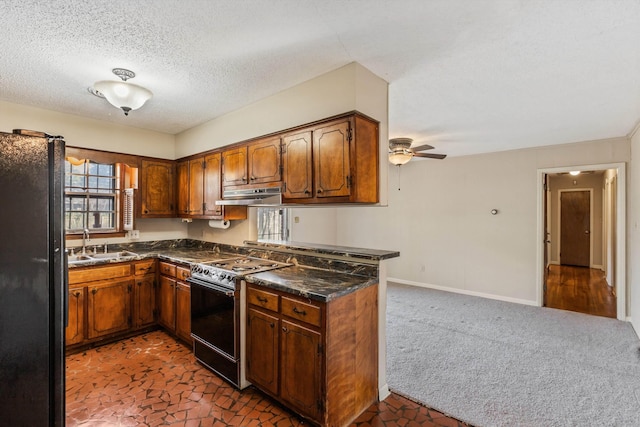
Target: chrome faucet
{"points": [[85, 237]]}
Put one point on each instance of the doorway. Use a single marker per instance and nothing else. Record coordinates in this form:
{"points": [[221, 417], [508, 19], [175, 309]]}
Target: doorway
{"points": [[593, 241]]}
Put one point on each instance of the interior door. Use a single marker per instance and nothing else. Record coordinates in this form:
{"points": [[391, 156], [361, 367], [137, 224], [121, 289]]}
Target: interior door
{"points": [[575, 218], [546, 238]]}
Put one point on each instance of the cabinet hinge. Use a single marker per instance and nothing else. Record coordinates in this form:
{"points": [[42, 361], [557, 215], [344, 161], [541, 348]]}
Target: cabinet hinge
{"points": [[284, 187], [349, 135], [320, 405], [204, 164], [204, 207], [129, 287], [281, 169], [283, 148], [348, 181], [319, 348]]}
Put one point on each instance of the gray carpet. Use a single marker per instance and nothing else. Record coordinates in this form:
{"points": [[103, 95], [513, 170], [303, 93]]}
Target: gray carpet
{"points": [[494, 363]]}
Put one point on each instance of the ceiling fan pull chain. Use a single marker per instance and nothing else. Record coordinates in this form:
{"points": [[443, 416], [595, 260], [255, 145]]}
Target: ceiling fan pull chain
{"points": [[398, 177]]}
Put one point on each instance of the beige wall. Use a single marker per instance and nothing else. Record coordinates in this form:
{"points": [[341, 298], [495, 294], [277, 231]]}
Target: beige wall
{"points": [[593, 182], [440, 219], [633, 264], [82, 132]]}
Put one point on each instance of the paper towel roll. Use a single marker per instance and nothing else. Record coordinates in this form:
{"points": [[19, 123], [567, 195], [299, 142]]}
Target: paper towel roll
{"points": [[218, 223]]}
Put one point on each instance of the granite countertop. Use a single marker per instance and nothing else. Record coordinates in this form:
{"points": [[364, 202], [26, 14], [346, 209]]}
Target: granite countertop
{"points": [[185, 256], [344, 251], [313, 283]]}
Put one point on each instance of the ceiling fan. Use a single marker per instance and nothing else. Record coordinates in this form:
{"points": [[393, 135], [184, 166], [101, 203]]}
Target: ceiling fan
{"points": [[400, 151]]}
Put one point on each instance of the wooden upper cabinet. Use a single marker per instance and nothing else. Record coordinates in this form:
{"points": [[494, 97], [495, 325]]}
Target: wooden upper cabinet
{"points": [[264, 163], [157, 194], [212, 172], [297, 165], [182, 178], [196, 186], [234, 167], [331, 153], [336, 161], [190, 187]]}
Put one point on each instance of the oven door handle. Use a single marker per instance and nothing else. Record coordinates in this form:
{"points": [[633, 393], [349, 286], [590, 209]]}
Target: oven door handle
{"points": [[226, 291]]}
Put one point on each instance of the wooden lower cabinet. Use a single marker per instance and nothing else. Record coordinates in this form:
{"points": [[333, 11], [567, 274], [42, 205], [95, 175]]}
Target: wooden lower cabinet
{"points": [[263, 341], [318, 359], [174, 300], [167, 303], [110, 301], [109, 307], [74, 332], [301, 361], [183, 311], [144, 301]]}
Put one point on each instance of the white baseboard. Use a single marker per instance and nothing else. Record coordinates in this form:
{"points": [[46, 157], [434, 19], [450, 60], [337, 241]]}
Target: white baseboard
{"points": [[463, 291], [383, 392]]}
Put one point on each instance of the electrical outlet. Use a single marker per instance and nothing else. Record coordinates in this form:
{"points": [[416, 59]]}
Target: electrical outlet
{"points": [[296, 219], [134, 234]]}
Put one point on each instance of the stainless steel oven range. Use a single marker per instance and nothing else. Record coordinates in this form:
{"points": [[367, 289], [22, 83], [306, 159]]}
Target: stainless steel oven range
{"points": [[218, 313]]}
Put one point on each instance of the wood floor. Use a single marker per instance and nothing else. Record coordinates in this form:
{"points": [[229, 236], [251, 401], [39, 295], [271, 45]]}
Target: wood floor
{"points": [[580, 289]]}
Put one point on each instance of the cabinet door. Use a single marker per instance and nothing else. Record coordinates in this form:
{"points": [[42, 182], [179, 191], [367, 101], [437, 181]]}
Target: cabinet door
{"points": [[144, 300], [182, 173], [157, 189], [196, 186], [212, 170], [234, 167], [109, 307], [262, 350], [74, 332], [296, 165], [264, 161], [183, 311], [331, 159], [300, 369], [167, 303]]}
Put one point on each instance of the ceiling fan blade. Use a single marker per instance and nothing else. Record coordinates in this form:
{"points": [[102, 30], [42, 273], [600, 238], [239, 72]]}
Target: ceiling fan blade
{"points": [[430, 156], [421, 148]]}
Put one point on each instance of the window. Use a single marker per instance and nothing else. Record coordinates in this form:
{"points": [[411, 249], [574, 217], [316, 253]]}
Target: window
{"points": [[91, 195], [273, 224]]}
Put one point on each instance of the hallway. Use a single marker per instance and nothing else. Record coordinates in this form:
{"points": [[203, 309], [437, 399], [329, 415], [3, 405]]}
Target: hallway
{"points": [[580, 289]]}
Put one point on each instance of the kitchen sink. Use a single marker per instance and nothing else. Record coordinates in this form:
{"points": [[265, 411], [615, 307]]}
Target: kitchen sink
{"points": [[84, 258], [78, 258], [113, 255]]}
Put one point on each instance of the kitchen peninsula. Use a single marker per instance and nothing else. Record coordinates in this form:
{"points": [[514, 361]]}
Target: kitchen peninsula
{"points": [[311, 326]]}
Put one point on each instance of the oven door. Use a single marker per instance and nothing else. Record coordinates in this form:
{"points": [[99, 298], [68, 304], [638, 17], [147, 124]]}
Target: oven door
{"points": [[214, 316]]}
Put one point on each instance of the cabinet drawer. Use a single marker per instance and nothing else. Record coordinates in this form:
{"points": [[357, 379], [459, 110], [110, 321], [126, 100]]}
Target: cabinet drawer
{"points": [[263, 299], [145, 267], [99, 273], [167, 269], [302, 311], [182, 273]]}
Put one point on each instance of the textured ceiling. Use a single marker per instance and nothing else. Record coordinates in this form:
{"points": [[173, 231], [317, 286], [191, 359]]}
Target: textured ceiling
{"points": [[467, 76]]}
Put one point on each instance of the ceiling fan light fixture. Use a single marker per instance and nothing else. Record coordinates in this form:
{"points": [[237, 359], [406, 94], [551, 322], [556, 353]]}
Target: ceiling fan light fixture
{"points": [[399, 157], [121, 94]]}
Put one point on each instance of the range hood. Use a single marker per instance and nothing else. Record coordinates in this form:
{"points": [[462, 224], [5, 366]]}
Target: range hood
{"points": [[251, 197]]}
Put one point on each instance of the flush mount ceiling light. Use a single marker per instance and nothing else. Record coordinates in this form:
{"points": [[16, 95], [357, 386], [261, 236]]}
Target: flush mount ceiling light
{"points": [[574, 173], [123, 95]]}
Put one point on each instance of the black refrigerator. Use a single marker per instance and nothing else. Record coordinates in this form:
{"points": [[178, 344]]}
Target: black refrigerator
{"points": [[32, 280]]}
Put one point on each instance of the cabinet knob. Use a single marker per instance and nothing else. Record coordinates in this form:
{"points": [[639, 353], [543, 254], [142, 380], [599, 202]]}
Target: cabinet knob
{"points": [[261, 299], [284, 329], [320, 190], [76, 294], [307, 192], [272, 325], [253, 178]]}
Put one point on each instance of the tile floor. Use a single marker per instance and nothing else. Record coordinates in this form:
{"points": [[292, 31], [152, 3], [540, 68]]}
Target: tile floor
{"points": [[152, 380]]}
